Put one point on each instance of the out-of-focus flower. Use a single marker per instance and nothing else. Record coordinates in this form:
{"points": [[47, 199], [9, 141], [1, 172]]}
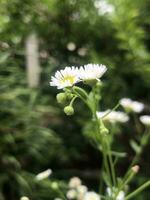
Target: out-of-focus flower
{"points": [[71, 194], [43, 175], [113, 116], [24, 198], [104, 7], [71, 46], [120, 196], [91, 72], [82, 52], [65, 78], [57, 199], [130, 105], [81, 191], [74, 182], [145, 119], [91, 196], [135, 168]]}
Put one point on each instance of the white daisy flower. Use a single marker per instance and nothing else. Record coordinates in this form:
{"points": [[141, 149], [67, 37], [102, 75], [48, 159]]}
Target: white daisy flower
{"points": [[113, 116], [145, 119], [91, 196], [91, 72], [43, 175], [65, 78], [130, 105], [71, 194], [74, 182]]}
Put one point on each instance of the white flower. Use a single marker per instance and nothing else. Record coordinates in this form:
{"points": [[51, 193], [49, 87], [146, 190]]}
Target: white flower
{"points": [[91, 196], [130, 105], [43, 175], [81, 190], [24, 198], [71, 194], [113, 116], [145, 119], [82, 52], [65, 78], [74, 182], [57, 199], [104, 7], [71, 46], [91, 72], [120, 196]]}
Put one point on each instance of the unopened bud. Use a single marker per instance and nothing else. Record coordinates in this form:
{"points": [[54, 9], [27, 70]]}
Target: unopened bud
{"points": [[55, 185], [61, 98], [69, 110], [135, 168], [103, 129]]}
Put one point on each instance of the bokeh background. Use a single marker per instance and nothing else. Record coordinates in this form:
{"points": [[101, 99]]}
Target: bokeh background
{"points": [[37, 37]]}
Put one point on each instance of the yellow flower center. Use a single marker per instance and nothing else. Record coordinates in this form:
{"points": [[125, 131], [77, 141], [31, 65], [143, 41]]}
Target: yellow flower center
{"points": [[70, 79]]}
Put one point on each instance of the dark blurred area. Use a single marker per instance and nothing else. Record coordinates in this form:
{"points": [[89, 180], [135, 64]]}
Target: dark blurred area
{"points": [[38, 37]]}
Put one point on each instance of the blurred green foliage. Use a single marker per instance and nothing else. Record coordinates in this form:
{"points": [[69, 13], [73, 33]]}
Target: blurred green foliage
{"points": [[34, 135]]}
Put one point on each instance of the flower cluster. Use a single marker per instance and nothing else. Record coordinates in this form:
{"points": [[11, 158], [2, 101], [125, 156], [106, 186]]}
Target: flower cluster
{"points": [[78, 191], [72, 75]]}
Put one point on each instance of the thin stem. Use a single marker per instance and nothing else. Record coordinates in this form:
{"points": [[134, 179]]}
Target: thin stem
{"points": [[111, 110], [112, 168], [138, 190]]}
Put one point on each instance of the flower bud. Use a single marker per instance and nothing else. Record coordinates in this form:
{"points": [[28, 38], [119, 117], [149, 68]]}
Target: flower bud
{"points": [[61, 98], [55, 185], [69, 110], [135, 168], [104, 130]]}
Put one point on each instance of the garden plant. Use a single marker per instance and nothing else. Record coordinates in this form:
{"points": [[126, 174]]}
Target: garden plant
{"points": [[85, 83]]}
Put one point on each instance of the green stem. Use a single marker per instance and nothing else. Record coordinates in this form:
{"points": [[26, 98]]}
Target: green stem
{"points": [[112, 168], [138, 190], [111, 110]]}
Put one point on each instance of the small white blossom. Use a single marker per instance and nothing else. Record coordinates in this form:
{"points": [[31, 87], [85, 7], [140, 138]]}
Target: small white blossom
{"points": [[71, 194], [65, 78], [145, 119], [91, 72], [104, 7], [74, 182], [120, 196], [24, 198], [130, 105], [43, 175], [81, 191], [71, 46], [57, 199], [91, 196], [82, 52], [113, 116]]}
